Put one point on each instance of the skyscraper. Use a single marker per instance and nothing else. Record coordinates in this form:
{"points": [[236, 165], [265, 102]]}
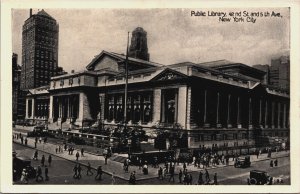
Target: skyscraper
{"points": [[280, 72], [39, 50]]}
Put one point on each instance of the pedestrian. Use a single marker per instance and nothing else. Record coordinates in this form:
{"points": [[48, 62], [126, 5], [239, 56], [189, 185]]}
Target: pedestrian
{"points": [[82, 151], [172, 171], [190, 179], [79, 171], [65, 147], [59, 149], [69, 150], [113, 178], [23, 176], [26, 141], [257, 154], [22, 140], [276, 162], [105, 159], [207, 176], [49, 160], [35, 156], [43, 160], [184, 166], [75, 169], [46, 173], [145, 168], [160, 173], [215, 179], [89, 169], [271, 163], [40, 139], [164, 173], [99, 173], [132, 178], [45, 140], [39, 174], [200, 178], [77, 156], [36, 139], [180, 176]]}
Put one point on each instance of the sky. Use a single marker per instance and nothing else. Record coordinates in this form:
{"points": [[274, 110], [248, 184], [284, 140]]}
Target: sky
{"points": [[173, 35]]}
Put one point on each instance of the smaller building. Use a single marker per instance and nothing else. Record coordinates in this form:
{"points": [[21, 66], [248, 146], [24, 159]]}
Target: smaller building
{"points": [[18, 96]]}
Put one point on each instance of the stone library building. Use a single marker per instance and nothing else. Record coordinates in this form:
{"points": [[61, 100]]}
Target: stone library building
{"points": [[219, 104]]}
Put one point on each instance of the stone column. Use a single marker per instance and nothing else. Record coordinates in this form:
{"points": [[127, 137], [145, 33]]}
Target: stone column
{"points": [[68, 105], [260, 114], [156, 106], [33, 108], [272, 124], [238, 119], [59, 100], [188, 107], [26, 113], [218, 124], [266, 114], [278, 115], [284, 116], [50, 118], [250, 114], [84, 109], [182, 106], [206, 125], [228, 112]]}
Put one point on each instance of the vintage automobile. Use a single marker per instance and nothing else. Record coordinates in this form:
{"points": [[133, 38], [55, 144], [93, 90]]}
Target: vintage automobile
{"points": [[242, 162], [19, 163], [258, 177]]}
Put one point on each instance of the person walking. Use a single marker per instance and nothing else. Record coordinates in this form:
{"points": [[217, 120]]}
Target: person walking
{"points": [[79, 171], [39, 174], [35, 156], [132, 178], [24, 176], [200, 178], [215, 179], [82, 151], [40, 139], [43, 160], [271, 163], [22, 140], [89, 169], [160, 171], [184, 166], [99, 173], [172, 172], [207, 179], [26, 141], [75, 169], [77, 155], [49, 160], [275, 162], [105, 159], [180, 176], [46, 173]]}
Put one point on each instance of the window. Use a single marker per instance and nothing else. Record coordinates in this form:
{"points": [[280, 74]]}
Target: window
{"points": [[61, 82], [235, 136], [71, 81], [213, 137]]}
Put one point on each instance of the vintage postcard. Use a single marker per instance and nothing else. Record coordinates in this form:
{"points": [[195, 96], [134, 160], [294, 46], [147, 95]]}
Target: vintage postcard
{"points": [[149, 97]]}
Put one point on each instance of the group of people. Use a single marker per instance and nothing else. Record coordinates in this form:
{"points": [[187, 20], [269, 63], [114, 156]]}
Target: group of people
{"points": [[273, 163], [23, 140], [39, 169]]}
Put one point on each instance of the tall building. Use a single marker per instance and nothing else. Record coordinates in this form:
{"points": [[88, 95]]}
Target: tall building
{"points": [[39, 50], [280, 72], [139, 48], [18, 96]]}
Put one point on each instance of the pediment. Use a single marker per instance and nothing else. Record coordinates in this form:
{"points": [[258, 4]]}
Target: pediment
{"points": [[169, 74]]}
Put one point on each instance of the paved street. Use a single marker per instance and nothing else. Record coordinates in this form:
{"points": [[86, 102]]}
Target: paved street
{"points": [[61, 171]]}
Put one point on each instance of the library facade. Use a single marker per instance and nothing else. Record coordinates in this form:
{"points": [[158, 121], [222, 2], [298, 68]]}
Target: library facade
{"points": [[215, 104]]}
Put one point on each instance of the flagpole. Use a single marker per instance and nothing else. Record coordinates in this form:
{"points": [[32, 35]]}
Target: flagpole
{"points": [[126, 83]]}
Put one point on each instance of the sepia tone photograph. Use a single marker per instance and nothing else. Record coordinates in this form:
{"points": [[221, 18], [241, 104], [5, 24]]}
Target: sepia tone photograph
{"points": [[151, 97]]}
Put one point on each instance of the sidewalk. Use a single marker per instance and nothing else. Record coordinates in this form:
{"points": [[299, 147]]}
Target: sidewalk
{"points": [[117, 167]]}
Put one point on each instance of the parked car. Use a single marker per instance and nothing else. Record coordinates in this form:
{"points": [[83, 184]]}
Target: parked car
{"points": [[258, 177], [242, 162]]}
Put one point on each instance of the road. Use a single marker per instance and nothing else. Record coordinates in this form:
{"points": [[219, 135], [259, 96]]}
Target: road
{"points": [[61, 172]]}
